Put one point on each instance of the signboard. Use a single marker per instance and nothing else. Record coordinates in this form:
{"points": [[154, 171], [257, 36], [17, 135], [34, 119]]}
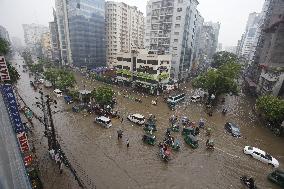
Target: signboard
{"points": [[12, 106], [4, 73], [23, 141]]}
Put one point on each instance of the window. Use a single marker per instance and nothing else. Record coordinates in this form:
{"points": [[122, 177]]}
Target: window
{"points": [[153, 62], [175, 40], [176, 33], [180, 1], [127, 59], [119, 58], [141, 61], [177, 26], [178, 18], [175, 48], [179, 9]]}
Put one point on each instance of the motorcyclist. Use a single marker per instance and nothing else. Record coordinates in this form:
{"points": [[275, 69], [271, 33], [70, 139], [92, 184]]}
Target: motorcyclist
{"points": [[251, 183]]}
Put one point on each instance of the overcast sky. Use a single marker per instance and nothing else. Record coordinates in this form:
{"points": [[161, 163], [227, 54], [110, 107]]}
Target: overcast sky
{"points": [[232, 14]]}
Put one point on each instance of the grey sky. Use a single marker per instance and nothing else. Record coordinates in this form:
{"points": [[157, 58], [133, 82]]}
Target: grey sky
{"points": [[232, 14]]}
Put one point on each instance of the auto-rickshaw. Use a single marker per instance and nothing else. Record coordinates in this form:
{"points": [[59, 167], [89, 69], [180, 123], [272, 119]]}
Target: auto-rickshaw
{"points": [[175, 128], [149, 139], [176, 145], [187, 131], [191, 140]]}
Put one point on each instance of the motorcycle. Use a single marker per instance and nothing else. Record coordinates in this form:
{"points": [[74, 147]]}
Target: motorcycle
{"points": [[248, 182]]}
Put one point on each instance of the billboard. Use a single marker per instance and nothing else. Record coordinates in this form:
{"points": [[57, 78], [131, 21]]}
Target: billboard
{"points": [[4, 73]]}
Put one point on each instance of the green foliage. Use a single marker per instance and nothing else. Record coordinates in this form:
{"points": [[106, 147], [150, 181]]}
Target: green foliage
{"points": [[36, 68], [103, 95], [272, 108], [74, 94], [4, 47], [223, 57], [62, 79], [163, 76], [14, 75], [219, 81]]}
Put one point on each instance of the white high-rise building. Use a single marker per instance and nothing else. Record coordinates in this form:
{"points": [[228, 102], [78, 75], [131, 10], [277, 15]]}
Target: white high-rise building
{"points": [[171, 29], [251, 36], [124, 30]]}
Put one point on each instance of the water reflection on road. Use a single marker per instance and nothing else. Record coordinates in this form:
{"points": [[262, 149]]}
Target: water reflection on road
{"points": [[111, 165]]}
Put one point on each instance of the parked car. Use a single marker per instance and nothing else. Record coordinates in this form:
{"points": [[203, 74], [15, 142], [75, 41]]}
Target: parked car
{"points": [[277, 177], [261, 156], [58, 93], [104, 121], [136, 118], [233, 129], [195, 98]]}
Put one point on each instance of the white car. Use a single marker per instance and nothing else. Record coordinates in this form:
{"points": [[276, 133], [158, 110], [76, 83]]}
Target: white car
{"points": [[195, 98], [261, 156], [58, 93], [136, 118], [104, 121]]}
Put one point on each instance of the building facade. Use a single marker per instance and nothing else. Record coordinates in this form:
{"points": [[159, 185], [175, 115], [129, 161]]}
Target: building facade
{"points": [[266, 73], [46, 46], [143, 69], [171, 28], [124, 30], [32, 35], [81, 29], [54, 37]]}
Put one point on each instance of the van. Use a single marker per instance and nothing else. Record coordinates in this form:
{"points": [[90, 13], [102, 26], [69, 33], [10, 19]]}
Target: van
{"points": [[136, 118], [58, 93], [195, 98], [104, 121], [176, 99]]}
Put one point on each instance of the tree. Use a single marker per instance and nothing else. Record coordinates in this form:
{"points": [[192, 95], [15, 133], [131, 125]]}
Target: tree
{"points": [[272, 108], [65, 79], [103, 95], [223, 57], [60, 78], [4, 47], [14, 75], [219, 81], [37, 68]]}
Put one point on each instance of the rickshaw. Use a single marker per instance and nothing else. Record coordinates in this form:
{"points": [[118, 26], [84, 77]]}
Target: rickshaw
{"points": [[149, 139], [210, 144], [165, 154], [176, 146], [191, 140], [175, 128], [172, 106], [150, 124], [184, 120], [76, 109], [187, 131]]}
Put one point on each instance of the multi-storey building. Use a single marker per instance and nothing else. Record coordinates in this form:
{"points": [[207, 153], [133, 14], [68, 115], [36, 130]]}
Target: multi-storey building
{"points": [[143, 69], [250, 38], [216, 29], [54, 37], [4, 34], [266, 72], [81, 28], [32, 35], [170, 28], [124, 30], [207, 42], [197, 58], [46, 46]]}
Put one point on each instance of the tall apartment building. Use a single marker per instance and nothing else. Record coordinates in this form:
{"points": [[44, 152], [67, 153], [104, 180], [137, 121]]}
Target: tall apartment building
{"points": [[81, 29], [124, 30], [32, 35], [46, 46], [216, 29], [54, 37], [170, 29], [4, 34], [266, 72], [250, 37]]}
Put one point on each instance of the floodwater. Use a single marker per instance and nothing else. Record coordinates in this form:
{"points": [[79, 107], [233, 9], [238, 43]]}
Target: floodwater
{"points": [[96, 152]]}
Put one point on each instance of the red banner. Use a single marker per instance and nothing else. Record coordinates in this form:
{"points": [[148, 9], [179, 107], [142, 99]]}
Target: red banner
{"points": [[23, 141]]}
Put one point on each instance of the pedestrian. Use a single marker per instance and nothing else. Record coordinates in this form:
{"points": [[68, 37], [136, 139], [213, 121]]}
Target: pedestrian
{"points": [[121, 119], [119, 134], [127, 143]]}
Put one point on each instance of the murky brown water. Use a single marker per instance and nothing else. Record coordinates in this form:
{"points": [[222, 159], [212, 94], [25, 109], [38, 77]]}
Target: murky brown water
{"points": [[109, 164]]}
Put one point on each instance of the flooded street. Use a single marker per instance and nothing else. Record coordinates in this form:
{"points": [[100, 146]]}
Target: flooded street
{"points": [[110, 164]]}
